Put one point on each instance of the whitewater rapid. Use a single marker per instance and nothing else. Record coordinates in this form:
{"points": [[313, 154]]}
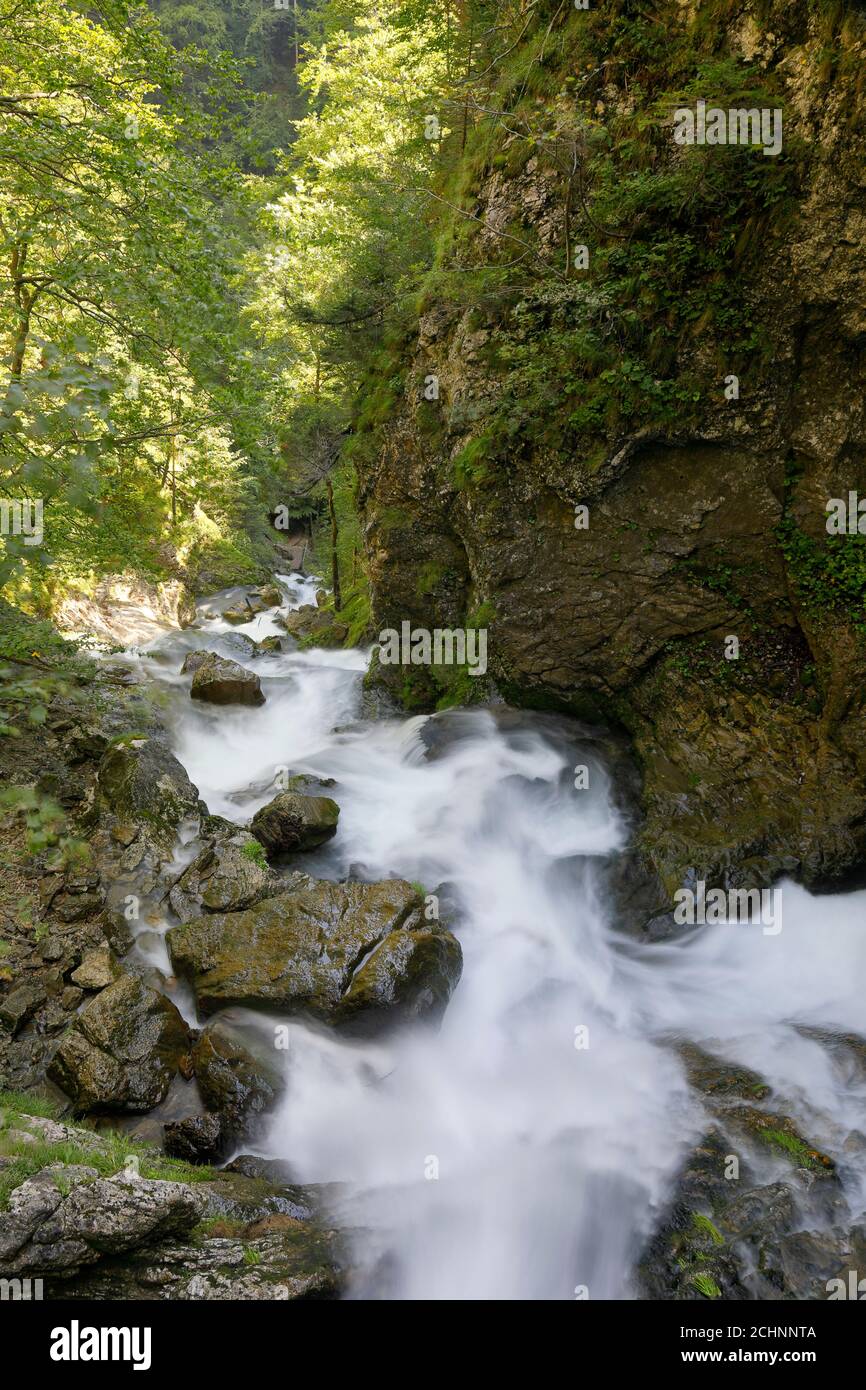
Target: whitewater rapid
{"points": [[527, 1149]]}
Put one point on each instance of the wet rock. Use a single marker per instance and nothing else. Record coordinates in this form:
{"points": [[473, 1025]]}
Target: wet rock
{"points": [[274, 1170], [221, 681], [238, 1071], [255, 601], [812, 1264], [718, 1079], [123, 1049], [240, 642], [270, 595], [411, 974], [304, 952], [780, 1136], [317, 625], [66, 1218], [271, 645], [193, 660], [197, 1139], [142, 784], [294, 822], [228, 874], [689, 1257]]}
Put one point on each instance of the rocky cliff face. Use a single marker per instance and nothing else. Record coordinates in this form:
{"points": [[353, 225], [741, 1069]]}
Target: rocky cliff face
{"points": [[611, 388]]}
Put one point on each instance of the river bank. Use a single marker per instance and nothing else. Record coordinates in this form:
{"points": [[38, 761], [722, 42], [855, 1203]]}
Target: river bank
{"points": [[594, 1110]]}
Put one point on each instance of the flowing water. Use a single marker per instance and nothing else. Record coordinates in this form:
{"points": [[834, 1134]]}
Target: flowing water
{"points": [[528, 1146]]}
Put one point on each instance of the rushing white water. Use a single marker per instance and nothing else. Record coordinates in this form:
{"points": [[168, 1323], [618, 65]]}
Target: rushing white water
{"points": [[502, 1156]]}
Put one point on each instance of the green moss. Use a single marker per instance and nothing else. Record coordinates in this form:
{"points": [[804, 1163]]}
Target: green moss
{"points": [[706, 1285], [795, 1147], [470, 467], [429, 576], [706, 1227]]}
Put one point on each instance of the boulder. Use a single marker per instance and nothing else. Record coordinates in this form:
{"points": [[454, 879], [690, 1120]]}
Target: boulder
{"points": [[196, 1139], [66, 1217], [193, 660], [238, 1071], [318, 625], [221, 681], [294, 822], [270, 595], [123, 1049], [411, 974], [143, 785], [228, 874], [312, 952], [97, 970], [253, 602], [241, 612]]}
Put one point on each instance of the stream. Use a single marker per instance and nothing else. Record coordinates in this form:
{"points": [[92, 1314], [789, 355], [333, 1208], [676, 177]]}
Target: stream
{"points": [[526, 1149]]}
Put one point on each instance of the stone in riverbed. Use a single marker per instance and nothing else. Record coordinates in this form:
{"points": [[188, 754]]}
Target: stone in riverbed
{"points": [[221, 681], [122, 1051], [292, 822], [229, 874], [313, 951], [270, 595], [411, 974]]}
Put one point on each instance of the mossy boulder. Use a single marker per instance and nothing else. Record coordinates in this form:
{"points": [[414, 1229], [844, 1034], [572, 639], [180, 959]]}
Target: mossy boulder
{"points": [[313, 952], [229, 874], [411, 974], [220, 681], [122, 1051], [318, 626], [294, 822], [142, 784]]}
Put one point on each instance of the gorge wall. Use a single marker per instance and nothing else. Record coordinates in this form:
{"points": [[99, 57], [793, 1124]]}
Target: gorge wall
{"points": [[603, 379]]}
